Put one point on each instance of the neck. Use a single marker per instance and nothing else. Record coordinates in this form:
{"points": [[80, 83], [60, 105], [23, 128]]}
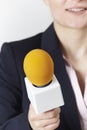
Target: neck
{"points": [[73, 42]]}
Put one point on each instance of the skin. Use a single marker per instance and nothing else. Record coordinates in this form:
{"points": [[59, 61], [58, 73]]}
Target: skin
{"points": [[70, 24], [49, 120], [66, 18]]}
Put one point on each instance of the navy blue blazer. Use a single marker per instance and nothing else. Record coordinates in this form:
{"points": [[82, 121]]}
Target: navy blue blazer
{"points": [[14, 103]]}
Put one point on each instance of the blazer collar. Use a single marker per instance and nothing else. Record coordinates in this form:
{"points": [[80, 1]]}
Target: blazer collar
{"points": [[51, 44]]}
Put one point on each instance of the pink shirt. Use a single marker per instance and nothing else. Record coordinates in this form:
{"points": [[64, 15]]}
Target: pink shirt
{"points": [[80, 100]]}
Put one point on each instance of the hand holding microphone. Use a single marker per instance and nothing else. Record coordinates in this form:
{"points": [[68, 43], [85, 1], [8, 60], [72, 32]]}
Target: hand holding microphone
{"points": [[49, 120], [43, 88]]}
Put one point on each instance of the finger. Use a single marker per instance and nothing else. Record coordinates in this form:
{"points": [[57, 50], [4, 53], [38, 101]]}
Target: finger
{"points": [[43, 123], [52, 126], [53, 113]]}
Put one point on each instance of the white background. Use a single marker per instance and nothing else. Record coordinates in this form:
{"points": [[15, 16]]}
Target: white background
{"points": [[22, 18]]}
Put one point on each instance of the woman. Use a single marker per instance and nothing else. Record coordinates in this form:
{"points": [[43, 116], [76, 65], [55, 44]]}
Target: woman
{"points": [[66, 41]]}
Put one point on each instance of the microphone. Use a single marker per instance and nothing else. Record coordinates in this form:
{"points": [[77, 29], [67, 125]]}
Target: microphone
{"points": [[42, 87]]}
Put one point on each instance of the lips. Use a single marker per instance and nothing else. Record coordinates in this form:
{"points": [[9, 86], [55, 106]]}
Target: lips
{"points": [[76, 9]]}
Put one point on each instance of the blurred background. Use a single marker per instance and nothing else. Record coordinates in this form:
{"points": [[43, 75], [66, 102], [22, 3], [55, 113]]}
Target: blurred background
{"points": [[20, 19]]}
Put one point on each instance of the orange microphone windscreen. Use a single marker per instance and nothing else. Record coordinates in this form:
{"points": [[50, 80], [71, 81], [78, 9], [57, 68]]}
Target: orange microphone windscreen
{"points": [[38, 67]]}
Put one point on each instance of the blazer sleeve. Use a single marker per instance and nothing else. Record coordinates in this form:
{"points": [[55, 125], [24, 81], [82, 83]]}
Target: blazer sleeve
{"points": [[11, 115]]}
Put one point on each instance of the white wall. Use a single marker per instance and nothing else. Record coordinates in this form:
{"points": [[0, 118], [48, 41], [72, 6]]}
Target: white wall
{"points": [[22, 18]]}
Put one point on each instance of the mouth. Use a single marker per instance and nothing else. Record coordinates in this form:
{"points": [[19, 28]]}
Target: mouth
{"points": [[77, 10]]}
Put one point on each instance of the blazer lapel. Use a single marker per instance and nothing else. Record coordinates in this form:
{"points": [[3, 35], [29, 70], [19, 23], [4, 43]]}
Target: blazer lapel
{"points": [[51, 44]]}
